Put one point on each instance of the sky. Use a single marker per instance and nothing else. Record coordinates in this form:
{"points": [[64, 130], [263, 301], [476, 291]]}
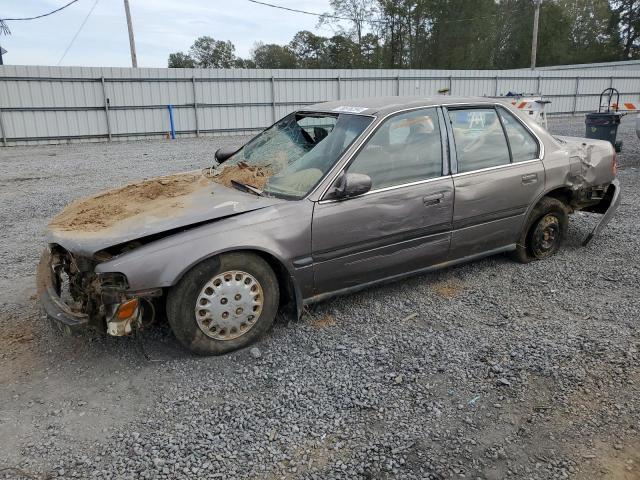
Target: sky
{"points": [[160, 26]]}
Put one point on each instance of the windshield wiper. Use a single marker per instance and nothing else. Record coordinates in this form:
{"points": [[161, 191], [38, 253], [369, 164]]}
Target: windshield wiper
{"points": [[246, 188]]}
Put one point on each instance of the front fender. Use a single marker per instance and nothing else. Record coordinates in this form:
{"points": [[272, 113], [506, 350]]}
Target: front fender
{"points": [[283, 231]]}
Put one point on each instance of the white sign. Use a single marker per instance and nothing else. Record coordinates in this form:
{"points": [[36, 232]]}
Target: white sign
{"points": [[347, 109]]}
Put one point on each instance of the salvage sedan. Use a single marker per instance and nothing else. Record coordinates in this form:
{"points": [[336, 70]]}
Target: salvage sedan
{"points": [[330, 199]]}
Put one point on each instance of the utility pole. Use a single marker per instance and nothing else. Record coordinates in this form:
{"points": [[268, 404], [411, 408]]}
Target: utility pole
{"points": [[132, 42], [4, 30], [534, 40]]}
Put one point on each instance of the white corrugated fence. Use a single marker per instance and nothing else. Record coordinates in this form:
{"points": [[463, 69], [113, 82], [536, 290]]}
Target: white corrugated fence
{"points": [[40, 104]]}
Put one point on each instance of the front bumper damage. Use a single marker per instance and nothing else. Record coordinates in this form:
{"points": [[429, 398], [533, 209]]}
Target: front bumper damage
{"points": [[607, 207], [61, 315], [92, 301]]}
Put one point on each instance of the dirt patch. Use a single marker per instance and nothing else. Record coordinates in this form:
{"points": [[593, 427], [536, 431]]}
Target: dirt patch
{"points": [[101, 211], [250, 175], [447, 288], [17, 350], [323, 322], [619, 462]]}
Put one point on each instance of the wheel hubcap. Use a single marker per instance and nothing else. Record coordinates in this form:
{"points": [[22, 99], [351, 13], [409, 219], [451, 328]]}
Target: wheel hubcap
{"points": [[546, 235], [229, 305]]}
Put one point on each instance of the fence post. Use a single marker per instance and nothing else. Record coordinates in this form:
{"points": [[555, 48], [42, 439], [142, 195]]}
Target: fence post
{"points": [[273, 99], [339, 83], [495, 94], [195, 104], [610, 82], [450, 83], [539, 86], [171, 124], [575, 95], [4, 135], [397, 85], [106, 107]]}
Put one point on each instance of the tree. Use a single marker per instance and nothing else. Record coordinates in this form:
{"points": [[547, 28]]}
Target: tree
{"points": [[342, 52], [359, 13], [370, 51], [181, 60], [210, 53], [273, 56], [592, 36], [244, 63], [512, 37], [309, 49], [627, 16], [452, 34]]}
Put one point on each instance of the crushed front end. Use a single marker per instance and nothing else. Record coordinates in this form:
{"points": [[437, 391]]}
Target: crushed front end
{"points": [[74, 297]]}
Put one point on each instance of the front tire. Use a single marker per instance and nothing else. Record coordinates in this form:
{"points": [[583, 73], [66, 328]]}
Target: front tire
{"points": [[544, 231], [224, 303]]}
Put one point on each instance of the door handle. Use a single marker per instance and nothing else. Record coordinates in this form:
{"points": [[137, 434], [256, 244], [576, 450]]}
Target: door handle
{"points": [[430, 200], [529, 178]]}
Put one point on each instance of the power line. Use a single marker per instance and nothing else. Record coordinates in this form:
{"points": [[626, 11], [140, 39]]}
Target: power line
{"points": [[78, 32], [353, 19], [40, 16], [325, 15]]}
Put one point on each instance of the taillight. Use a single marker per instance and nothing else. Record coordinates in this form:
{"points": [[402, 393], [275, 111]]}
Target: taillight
{"points": [[614, 164]]}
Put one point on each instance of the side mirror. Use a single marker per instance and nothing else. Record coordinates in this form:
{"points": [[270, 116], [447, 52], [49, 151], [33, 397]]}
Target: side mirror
{"points": [[352, 184], [224, 153]]}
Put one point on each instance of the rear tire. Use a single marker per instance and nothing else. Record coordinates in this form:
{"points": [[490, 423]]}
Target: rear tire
{"points": [[544, 231], [224, 303]]}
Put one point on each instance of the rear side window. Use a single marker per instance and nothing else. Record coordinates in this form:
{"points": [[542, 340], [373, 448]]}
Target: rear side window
{"points": [[479, 137], [406, 148], [523, 144]]}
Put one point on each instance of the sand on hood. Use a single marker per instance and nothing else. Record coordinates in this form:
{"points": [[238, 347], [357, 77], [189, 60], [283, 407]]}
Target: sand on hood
{"points": [[159, 196]]}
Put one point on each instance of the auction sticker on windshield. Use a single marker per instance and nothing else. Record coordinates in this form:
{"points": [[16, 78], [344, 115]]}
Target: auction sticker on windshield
{"points": [[348, 109]]}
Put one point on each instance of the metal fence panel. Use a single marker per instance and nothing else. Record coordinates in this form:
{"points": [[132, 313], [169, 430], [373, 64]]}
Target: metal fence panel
{"points": [[40, 104]]}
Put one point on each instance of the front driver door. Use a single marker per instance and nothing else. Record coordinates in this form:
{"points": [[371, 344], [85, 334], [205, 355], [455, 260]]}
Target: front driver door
{"points": [[403, 223]]}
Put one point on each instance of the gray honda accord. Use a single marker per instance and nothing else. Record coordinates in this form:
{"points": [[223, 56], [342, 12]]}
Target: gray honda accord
{"points": [[330, 199]]}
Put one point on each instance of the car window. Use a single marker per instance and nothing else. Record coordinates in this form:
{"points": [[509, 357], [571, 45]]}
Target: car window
{"points": [[318, 128], [405, 148], [290, 157], [523, 144], [479, 137]]}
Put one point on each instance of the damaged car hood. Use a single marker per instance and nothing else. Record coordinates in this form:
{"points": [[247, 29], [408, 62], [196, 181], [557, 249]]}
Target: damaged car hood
{"points": [[147, 208]]}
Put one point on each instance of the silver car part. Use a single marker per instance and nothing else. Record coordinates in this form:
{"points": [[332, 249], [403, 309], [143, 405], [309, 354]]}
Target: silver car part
{"points": [[229, 305]]}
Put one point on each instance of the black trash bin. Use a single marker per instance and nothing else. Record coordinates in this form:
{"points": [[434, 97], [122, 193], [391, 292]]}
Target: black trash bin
{"points": [[604, 125]]}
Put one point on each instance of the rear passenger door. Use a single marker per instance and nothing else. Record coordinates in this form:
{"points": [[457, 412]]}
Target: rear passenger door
{"points": [[498, 173]]}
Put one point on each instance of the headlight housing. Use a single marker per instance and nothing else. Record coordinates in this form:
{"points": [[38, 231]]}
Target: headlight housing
{"points": [[114, 281]]}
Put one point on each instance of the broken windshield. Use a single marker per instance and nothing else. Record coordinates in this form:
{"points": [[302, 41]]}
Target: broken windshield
{"points": [[289, 158]]}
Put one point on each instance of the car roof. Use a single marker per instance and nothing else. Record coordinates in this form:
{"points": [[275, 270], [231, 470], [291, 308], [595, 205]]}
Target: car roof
{"points": [[386, 105]]}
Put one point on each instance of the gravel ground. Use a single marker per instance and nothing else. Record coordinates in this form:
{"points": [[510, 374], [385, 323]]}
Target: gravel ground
{"points": [[488, 370]]}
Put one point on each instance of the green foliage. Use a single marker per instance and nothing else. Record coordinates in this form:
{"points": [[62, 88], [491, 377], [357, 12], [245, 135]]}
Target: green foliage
{"points": [[273, 56], [210, 53], [627, 18], [181, 60], [309, 49], [448, 34]]}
